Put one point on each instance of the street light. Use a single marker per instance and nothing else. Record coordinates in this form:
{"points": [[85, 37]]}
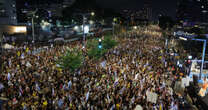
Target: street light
{"points": [[33, 28], [92, 14], [114, 22], [91, 22], [84, 20], [100, 44], [135, 27]]}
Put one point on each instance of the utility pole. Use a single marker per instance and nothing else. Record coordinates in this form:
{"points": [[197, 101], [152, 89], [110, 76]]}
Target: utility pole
{"points": [[33, 29], [83, 29]]}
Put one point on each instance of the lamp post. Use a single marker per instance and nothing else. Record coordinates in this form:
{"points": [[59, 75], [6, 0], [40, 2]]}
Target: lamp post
{"points": [[114, 22], [33, 28], [113, 28], [83, 29]]}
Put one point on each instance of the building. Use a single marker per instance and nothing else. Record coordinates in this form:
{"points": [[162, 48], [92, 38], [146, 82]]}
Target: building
{"points": [[53, 7], [8, 12], [140, 15], [192, 11], [148, 9]]}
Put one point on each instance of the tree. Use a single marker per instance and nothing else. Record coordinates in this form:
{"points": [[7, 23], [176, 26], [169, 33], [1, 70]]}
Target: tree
{"points": [[108, 43], [95, 52], [166, 22], [72, 60]]}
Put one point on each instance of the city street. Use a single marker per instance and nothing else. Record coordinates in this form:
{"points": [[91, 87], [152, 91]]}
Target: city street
{"points": [[137, 72]]}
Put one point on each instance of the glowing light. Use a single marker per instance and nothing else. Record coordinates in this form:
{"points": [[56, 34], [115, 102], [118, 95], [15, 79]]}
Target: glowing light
{"points": [[21, 29], [114, 19], [76, 27], [190, 57], [45, 25], [100, 46], [182, 38], [92, 13], [86, 29], [91, 22]]}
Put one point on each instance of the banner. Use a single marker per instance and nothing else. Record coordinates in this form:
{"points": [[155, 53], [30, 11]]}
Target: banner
{"points": [[151, 97]]}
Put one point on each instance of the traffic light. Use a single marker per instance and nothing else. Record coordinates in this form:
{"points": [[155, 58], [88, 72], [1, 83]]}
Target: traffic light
{"points": [[100, 44]]}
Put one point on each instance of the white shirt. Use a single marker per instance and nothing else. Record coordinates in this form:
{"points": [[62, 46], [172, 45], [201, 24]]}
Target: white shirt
{"points": [[8, 76]]}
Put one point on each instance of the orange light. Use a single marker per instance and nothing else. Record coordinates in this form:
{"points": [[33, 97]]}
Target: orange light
{"points": [[20, 29]]}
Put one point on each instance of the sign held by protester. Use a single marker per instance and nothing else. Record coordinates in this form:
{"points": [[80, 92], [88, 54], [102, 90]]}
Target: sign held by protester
{"points": [[151, 97]]}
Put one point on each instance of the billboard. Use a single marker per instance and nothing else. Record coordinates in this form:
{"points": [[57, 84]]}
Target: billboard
{"points": [[12, 29]]}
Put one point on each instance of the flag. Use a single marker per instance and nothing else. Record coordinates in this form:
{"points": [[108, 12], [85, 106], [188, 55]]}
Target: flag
{"points": [[45, 103], [8, 76], [22, 56], [21, 91], [27, 49], [116, 82], [161, 107], [69, 84], [60, 102], [37, 87], [108, 98], [103, 64], [53, 91], [87, 96], [1, 86], [18, 53]]}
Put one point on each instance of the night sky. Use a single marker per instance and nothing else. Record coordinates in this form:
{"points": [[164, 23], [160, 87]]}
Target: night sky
{"points": [[167, 7]]}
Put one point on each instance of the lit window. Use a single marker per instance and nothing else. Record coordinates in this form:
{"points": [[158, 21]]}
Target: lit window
{"points": [[2, 10], [202, 6], [14, 17], [204, 11]]}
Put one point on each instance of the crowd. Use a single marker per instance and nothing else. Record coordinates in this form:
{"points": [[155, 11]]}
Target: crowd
{"points": [[121, 80]]}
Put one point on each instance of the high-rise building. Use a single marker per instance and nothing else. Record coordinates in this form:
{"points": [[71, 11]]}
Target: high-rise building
{"points": [[192, 11], [53, 7], [148, 9], [8, 12], [142, 14]]}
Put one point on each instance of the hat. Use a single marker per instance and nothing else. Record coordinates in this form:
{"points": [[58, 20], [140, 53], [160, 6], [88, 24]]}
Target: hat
{"points": [[45, 103]]}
